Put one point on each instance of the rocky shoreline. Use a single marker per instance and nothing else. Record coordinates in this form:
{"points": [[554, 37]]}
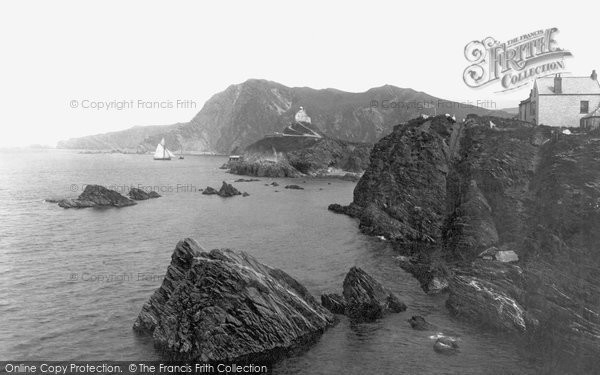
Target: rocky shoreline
{"points": [[498, 214]]}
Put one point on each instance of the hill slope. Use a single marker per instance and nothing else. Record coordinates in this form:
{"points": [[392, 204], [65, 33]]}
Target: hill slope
{"points": [[246, 112]]}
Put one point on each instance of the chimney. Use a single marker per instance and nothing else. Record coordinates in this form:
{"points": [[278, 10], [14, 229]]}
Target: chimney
{"points": [[594, 76], [557, 84]]}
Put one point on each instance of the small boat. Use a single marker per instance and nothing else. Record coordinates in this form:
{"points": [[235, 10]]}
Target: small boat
{"points": [[162, 153]]}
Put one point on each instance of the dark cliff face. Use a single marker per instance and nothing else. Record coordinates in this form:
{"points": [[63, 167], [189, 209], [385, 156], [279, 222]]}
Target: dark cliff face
{"points": [[444, 192], [246, 112]]}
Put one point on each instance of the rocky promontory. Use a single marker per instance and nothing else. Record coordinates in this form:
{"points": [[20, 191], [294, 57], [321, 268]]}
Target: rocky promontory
{"points": [[96, 196], [226, 306], [500, 214], [302, 149]]}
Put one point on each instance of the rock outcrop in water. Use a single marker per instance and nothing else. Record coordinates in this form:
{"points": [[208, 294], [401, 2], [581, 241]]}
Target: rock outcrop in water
{"points": [[446, 192], [226, 306], [226, 191], [140, 195], [364, 299], [96, 196]]}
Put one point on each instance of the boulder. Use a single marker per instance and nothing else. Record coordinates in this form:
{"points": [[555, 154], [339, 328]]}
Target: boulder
{"points": [[245, 194], [97, 196], [334, 303], [294, 187], [366, 299], [226, 306], [274, 183], [140, 195]]}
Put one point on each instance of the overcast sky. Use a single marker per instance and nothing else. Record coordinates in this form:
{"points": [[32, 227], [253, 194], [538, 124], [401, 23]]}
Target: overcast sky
{"points": [[56, 52]]}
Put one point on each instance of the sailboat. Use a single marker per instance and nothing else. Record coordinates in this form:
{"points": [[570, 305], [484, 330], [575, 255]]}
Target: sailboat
{"points": [[162, 153]]}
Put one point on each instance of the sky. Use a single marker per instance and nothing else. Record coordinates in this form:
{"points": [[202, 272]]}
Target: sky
{"points": [[61, 60]]}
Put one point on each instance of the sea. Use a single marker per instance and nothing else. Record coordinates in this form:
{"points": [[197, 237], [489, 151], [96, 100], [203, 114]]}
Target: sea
{"points": [[73, 281]]}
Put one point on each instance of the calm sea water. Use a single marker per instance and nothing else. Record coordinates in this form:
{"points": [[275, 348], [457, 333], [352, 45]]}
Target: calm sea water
{"points": [[73, 281]]}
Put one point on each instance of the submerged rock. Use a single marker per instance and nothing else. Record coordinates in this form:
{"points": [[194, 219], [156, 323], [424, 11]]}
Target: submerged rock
{"points": [[419, 323], [227, 306], [245, 194], [97, 196], [446, 345], [366, 299], [140, 195], [334, 303], [294, 187]]}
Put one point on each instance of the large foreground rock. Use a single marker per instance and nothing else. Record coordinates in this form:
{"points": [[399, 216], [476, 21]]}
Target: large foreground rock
{"points": [[97, 196], [366, 299], [226, 306]]}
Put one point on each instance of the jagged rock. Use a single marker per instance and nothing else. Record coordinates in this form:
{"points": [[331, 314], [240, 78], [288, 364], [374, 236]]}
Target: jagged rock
{"points": [[140, 195], [210, 191], [334, 303], [97, 196], [294, 187], [366, 299], [226, 306], [227, 190], [419, 323]]}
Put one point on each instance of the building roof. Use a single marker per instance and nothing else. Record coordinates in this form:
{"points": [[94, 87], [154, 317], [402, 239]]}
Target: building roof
{"points": [[570, 85]]}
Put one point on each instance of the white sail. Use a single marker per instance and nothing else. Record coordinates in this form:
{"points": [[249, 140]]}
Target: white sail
{"points": [[162, 153], [169, 153]]}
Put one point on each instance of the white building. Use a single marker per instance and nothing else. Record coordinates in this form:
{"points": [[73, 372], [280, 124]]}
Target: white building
{"points": [[561, 101]]}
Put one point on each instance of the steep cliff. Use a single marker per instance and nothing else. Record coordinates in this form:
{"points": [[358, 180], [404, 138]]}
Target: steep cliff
{"points": [[450, 194], [246, 112]]}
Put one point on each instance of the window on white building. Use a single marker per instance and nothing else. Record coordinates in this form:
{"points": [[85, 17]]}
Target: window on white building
{"points": [[584, 107]]}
